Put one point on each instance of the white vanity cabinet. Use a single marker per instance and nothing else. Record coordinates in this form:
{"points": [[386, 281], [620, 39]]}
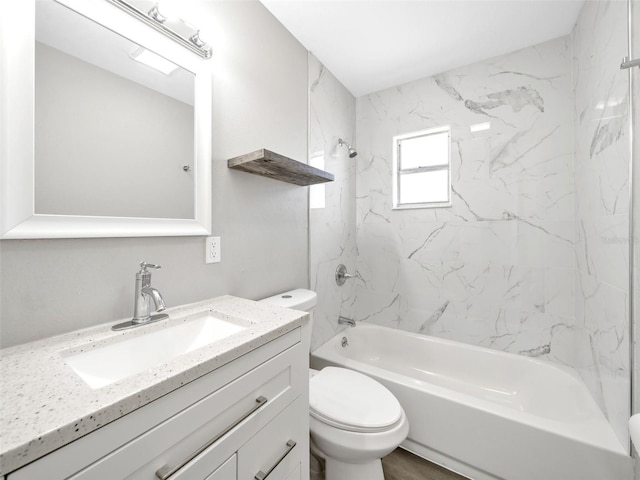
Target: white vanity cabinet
{"points": [[246, 420], [226, 471]]}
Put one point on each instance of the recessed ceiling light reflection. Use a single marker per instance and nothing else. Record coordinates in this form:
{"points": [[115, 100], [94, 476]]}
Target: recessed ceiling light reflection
{"points": [[153, 60]]}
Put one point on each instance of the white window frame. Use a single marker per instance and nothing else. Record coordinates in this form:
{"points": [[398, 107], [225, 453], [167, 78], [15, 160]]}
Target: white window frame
{"points": [[397, 172]]}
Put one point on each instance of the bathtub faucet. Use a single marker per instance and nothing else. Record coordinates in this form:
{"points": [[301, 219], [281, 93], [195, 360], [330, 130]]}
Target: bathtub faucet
{"points": [[346, 321]]}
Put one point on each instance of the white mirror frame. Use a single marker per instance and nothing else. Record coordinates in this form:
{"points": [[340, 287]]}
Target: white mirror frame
{"points": [[17, 213]]}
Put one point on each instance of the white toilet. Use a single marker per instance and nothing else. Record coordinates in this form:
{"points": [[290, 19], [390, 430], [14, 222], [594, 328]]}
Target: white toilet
{"points": [[354, 420]]}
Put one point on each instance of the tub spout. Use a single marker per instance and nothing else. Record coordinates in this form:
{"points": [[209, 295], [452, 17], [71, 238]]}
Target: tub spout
{"points": [[346, 321]]}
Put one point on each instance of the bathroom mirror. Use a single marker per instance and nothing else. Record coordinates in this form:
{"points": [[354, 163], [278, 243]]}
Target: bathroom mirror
{"points": [[110, 146]]}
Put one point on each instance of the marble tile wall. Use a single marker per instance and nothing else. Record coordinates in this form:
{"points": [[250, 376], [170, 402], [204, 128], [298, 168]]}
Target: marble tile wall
{"points": [[601, 146], [332, 227], [496, 269]]}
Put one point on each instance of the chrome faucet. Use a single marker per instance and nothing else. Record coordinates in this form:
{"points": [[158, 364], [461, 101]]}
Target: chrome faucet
{"points": [[346, 321], [144, 294]]}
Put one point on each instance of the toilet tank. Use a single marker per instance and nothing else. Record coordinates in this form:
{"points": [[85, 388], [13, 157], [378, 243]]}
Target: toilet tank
{"points": [[298, 299]]}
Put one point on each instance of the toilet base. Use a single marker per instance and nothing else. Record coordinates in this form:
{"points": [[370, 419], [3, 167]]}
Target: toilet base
{"points": [[337, 470]]}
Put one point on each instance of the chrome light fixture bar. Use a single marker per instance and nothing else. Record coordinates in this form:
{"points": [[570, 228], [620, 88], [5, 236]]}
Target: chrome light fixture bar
{"points": [[155, 19]]}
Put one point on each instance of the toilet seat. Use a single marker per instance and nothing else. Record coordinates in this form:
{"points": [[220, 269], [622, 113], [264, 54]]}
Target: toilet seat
{"points": [[351, 401]]}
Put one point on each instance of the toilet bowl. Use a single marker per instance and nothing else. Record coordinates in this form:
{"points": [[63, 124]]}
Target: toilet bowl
{"points": [[353, 420]]}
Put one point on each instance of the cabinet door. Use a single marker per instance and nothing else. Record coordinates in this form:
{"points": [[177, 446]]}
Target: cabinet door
{"points": [[226, 471], [279, 450]]}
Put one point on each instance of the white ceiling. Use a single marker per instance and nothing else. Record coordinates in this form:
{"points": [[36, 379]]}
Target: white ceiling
{"points": [[370, 45]]}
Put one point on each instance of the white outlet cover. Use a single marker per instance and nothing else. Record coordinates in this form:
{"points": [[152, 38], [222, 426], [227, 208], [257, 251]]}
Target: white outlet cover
{"points": [[212, 251]]}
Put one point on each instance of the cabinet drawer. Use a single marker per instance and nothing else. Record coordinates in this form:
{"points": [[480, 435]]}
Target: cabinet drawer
{"points": [[270, 454]]}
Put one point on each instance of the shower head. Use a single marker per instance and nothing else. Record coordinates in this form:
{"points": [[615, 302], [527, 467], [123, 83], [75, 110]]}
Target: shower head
{"points": [[352, 151]]}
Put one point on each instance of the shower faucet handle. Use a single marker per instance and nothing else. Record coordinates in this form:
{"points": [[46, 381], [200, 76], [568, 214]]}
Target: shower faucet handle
{"points": [[342, 275]]}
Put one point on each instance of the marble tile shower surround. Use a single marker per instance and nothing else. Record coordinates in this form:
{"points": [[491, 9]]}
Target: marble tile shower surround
{"points": [[601, 146], [332, 228], [496, 269], [528, 258]]}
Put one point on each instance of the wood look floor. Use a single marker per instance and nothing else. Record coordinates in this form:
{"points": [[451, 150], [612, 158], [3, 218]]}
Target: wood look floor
{"points": [[403, 465]]}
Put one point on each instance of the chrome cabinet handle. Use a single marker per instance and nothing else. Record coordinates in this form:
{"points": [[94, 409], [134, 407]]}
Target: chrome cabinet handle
{"points": [[261, 475], [166, 471]]}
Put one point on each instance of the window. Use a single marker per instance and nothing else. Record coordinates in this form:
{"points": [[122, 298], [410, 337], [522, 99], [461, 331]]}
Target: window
{"points": [[421, 170]]}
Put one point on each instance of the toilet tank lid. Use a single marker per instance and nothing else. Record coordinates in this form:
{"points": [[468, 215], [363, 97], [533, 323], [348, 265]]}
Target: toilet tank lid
{"points": [[299, 299]]}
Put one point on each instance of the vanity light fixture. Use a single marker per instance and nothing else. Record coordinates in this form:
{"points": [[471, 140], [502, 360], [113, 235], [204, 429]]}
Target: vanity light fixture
{"points": [[153, 60], [172, 28], [156, 15]]}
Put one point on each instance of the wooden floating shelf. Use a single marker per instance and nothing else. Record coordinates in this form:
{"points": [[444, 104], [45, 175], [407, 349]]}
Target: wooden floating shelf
{"points": [[273, 165]]}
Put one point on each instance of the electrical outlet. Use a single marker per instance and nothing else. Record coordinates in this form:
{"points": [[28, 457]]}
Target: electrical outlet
{"points": [[213, 253]]}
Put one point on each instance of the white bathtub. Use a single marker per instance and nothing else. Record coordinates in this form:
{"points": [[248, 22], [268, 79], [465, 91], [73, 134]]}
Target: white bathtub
{"points": [[482, 413]]}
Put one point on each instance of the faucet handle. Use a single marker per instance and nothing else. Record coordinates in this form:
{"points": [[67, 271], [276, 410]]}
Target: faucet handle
{"points": [[144, 265], [342, 275]]}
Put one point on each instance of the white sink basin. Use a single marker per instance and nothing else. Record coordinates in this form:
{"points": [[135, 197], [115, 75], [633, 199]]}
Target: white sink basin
{"points": [[111, 363]]}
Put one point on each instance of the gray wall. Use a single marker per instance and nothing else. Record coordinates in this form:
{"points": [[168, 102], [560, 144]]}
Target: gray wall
{"points": [[80, 169], [259, 100]]}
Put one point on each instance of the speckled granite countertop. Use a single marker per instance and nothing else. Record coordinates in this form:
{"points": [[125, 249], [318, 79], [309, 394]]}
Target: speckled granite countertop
{"points": [[45, 405]]}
